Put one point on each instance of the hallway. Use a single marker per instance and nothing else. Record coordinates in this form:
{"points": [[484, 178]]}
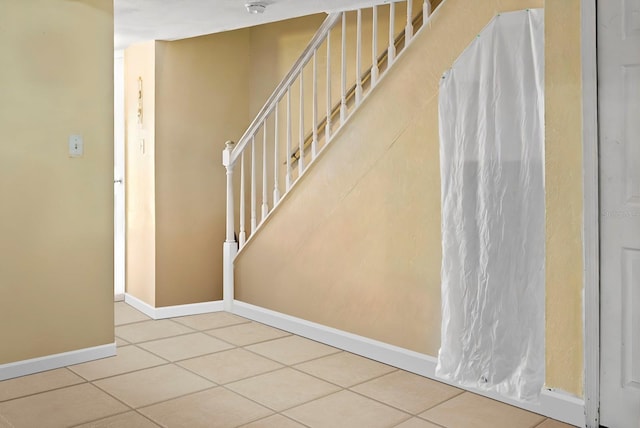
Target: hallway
{"points": [[221, 370]]}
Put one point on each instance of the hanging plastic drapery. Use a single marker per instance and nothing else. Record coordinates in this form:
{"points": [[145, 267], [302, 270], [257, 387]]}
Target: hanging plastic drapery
{"points": [[493, 213]]}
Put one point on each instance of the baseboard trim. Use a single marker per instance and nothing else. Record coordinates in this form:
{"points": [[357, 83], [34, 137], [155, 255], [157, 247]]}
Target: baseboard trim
{"points": [[173, 311], [55, 361], [554, 404], [118, 297]]}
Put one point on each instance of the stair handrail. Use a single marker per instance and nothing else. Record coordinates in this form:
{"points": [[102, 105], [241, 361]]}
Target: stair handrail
{"points": [[256, 203], [366, 76], [285, 84]]}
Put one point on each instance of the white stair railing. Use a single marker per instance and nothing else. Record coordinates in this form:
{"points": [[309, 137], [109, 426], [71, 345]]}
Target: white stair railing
{"points": [[291, 135]]}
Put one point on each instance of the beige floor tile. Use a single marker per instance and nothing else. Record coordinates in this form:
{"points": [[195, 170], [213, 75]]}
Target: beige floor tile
{"points": [[35, 383], [151, 330], [550, 423], [152, 385], [121, 342], [125, 420], [275, 421], [346, 409], [230, 366], [212, 408], [474, 411], [187, 346], [60, 408], [247, 333], [292, 349], [282, 389], [129, 359], [125, 314], [407, 391], [210, 320], [416, 423], [345, 369]]}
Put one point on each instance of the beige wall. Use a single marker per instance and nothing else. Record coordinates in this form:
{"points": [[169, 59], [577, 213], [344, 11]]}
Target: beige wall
{"points": [[374, 272], [273, 50], [201, 101], [563, 119], [198, 93], [353, 248], [276, 47], [56, 220], [140, 251]]}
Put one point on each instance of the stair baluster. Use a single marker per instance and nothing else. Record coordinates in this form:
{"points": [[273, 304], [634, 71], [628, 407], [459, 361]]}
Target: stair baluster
{"points": [[318, 132]]}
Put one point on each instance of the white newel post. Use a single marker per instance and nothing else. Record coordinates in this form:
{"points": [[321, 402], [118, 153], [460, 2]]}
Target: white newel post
{"points": [[230, 247]]}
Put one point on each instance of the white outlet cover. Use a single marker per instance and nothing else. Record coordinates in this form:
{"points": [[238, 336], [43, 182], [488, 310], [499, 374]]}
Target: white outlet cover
{"points": [[76, 146]]}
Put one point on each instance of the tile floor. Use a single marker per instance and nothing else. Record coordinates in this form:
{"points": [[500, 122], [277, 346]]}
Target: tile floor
{"points": [[220, 370]]}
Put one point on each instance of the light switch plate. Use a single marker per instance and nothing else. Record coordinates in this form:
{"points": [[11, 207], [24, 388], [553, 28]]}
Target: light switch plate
{"points": [[76, 146]]}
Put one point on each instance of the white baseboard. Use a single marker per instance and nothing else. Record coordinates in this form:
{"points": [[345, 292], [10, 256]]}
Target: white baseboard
{"points": [[55, 361], [173, 311], [554, 404], [118, 297]]}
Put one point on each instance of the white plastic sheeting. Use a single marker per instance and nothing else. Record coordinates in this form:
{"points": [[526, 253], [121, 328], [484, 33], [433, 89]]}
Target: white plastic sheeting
{"points": [[493, 214]]}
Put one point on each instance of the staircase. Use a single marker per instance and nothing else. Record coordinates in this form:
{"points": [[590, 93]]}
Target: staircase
{"points": [[307, 109]]}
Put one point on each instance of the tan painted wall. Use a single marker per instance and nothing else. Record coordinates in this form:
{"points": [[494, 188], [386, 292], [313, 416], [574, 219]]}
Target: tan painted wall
{"points": [[273, 51], [56, 220], [202, 100], [139, 62], [275, 47], [198, 93], [377, 273], [564, 196]]}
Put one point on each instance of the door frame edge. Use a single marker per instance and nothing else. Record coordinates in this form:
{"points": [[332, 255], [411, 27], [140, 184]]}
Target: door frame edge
{"points": [[591, 238]]}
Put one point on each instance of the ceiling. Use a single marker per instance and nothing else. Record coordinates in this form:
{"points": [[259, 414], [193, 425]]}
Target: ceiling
{"points": [[142, 20]]}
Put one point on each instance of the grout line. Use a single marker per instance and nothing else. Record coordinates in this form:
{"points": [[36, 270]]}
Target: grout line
{"points": [[101, 418], [430, 421], [147, 418], [198, 374], [403, 421], [285, 364], [294, 420], [189, 358], [281, 366], [244, 321], [222, 340], [235, 380], [290, 407], [133, 322], [161, 338], [155, 403], [129, 372], [83, 381], [270, 416], [249, 398], [114, 397], [161, 401], [210, 333], [294, 367], [240, 320], [398, 408]]}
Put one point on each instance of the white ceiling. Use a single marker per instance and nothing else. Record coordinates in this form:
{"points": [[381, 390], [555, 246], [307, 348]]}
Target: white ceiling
{"points": [[142, 20]]}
